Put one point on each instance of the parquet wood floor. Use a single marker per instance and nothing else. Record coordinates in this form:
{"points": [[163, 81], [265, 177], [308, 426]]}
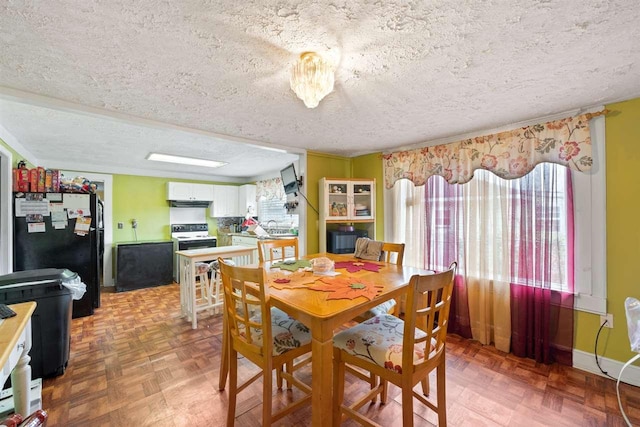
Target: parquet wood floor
{"points": [[137, 363]]}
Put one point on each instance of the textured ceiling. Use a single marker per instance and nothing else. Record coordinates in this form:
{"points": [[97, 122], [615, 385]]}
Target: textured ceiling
{"points": [[406, 73]]}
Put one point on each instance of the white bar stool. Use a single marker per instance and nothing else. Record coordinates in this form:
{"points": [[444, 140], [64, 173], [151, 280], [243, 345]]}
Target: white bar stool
{"points": [[203, 285]]}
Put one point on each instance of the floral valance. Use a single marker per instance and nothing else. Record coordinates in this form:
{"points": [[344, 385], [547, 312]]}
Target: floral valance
{"points": [[270, 189], [510, 154]]}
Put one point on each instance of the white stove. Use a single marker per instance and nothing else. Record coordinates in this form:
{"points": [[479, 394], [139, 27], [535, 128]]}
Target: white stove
{"points": [[189, 236], [183, 238]]}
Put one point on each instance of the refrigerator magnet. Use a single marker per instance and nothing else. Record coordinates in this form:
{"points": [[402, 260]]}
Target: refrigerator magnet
{"points": [[36, 227]]}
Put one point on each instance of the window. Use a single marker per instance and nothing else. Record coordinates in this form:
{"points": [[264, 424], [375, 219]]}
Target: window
{"points": [[510, 231], [407, 221], [274, 210]]}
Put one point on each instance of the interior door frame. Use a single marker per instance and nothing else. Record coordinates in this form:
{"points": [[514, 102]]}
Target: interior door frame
{"points": [[6, 212]]}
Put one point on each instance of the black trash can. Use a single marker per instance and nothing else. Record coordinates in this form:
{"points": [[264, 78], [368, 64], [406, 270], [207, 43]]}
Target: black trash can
{"points": [[51, 320]]}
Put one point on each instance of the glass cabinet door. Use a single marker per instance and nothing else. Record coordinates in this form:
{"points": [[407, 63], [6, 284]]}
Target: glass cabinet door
{"points": [[362, 200], [338, 200]]}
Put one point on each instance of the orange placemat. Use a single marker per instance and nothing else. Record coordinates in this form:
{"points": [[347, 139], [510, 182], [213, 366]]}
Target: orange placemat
{"points": [[299, 279], [346, 287]]}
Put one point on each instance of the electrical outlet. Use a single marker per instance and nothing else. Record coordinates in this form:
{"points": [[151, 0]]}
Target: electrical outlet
{"points": [[609, 319], [134, 223], [120, 226]]}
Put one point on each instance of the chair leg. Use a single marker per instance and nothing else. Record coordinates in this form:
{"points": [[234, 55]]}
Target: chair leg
{"points": [[407, 405], [442, 404], [338, 387], [289, 368], [383, 393], [373, 382], [425, 386], [267, 384], [279, 377], [233, 387]]}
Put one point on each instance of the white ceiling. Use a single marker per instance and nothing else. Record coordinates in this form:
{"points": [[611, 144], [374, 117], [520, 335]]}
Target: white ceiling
{"points": [[97, 85]]}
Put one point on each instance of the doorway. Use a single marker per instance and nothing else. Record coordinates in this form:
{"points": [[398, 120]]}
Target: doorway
{"points": [[6, 213]]}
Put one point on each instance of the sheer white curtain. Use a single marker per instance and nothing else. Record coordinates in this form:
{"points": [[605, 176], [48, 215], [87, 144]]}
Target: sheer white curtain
{"points": [[406, 220], [480, 224], [486, 258]]}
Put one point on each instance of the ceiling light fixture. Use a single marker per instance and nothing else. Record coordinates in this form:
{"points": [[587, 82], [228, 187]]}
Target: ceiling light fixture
{"points": [[311, 78], [262, 147], [184, 160]]}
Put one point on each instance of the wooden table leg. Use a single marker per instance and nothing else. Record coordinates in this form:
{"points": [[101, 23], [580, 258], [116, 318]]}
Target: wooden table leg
{"points": [[21, 378], [322, 377]]}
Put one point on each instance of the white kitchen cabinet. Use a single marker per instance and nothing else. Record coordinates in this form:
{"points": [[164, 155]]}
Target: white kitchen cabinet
{"points": [[346, 201], [225, 201], [189, 191], [246, 241], [247, 200]]}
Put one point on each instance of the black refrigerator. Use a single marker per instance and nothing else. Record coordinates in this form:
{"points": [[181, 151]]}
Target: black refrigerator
{"points": [[54, 240]]}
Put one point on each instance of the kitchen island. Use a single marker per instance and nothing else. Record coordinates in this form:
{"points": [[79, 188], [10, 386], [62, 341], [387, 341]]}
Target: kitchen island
{"points": [[241, 255]]}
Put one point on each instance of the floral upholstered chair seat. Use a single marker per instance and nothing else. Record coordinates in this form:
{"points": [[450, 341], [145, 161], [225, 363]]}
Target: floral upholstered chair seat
{"points": [[287, 332], [202, 267], [379, 340]]}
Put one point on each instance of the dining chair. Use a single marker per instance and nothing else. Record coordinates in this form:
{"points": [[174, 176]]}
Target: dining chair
{"points": [[274, 250], [270, 338], [404, 352], [392, 253]]}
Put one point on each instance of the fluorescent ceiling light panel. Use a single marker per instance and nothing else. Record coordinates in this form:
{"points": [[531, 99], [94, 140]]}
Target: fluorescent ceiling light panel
{"points": [[262, 147], [184, 160]]}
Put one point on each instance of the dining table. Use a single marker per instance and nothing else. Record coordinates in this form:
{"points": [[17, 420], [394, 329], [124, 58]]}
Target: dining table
{"points": [[325, 311]]}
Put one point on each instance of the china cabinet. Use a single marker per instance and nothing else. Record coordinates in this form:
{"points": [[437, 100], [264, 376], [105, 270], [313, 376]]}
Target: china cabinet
{"points": [[345, 203]]}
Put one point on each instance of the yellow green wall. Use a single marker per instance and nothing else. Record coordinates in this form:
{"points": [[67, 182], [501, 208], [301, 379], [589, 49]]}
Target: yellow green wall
{"points": [[320, 165], [145, 199], [623, 235]]}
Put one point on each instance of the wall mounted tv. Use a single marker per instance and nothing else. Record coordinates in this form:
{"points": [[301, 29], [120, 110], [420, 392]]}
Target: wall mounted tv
{"points": [[290, 180]]}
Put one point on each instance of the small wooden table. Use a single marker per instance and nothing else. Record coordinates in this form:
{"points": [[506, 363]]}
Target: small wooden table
{"points": [[15, 344], [241, 255], [323, 316]]}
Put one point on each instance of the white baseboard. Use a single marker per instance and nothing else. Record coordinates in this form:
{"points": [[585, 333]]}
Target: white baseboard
{"points": [[587, 362]]}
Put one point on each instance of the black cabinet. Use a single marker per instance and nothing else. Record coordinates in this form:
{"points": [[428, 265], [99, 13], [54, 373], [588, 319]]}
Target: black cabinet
{"points": [[143, 265]]}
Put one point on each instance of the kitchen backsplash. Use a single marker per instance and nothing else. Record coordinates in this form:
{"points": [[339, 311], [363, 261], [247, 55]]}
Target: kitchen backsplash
{"points": [[228, 225]]}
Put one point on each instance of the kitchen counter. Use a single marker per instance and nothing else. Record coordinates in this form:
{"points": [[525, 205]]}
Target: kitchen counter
{"points": [[271, 236]]}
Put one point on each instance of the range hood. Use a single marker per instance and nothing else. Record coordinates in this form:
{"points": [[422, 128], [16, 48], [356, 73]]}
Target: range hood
{"points": [[189, 203]]}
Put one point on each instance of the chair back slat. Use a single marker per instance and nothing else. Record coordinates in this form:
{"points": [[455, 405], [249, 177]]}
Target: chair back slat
{"points": [[245, 295], [427, 310], [274, 250], [393, 253]]}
